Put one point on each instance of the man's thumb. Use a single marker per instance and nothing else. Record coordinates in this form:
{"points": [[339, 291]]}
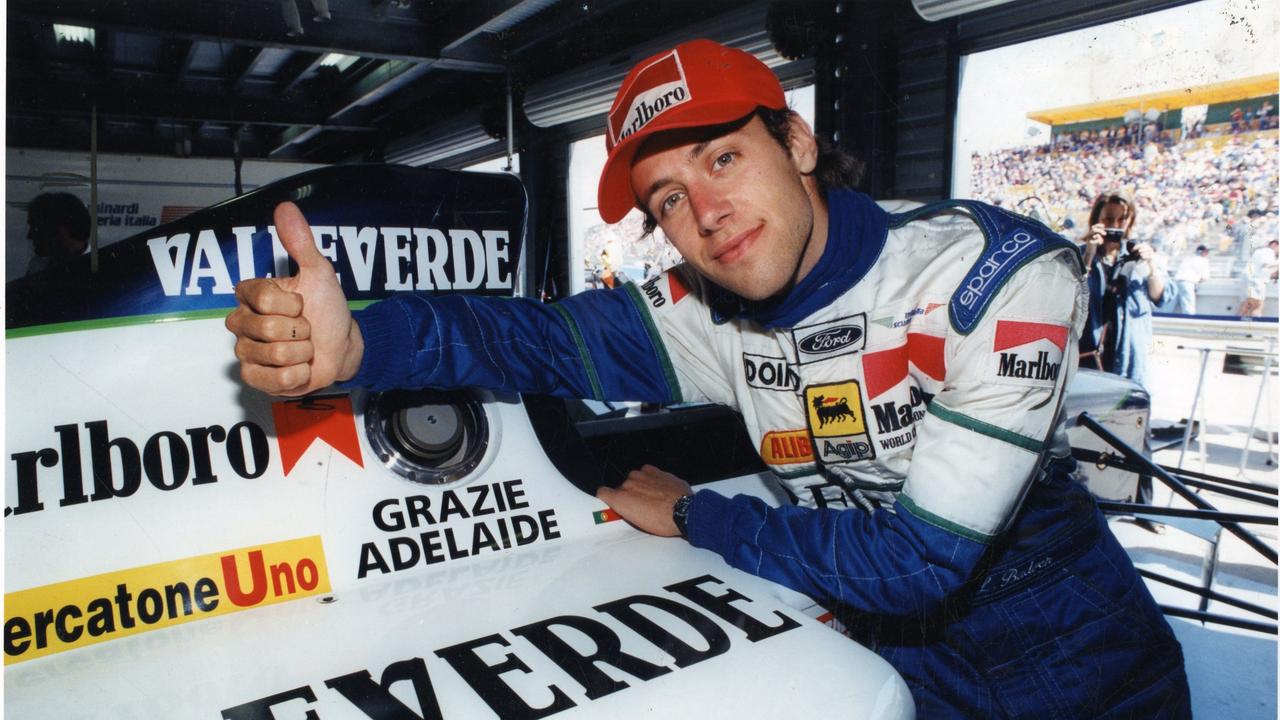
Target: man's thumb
{"points": [[295, 236]]}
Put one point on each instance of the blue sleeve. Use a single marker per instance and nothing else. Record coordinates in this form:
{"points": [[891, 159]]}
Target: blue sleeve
{"points": [[1168, 299], [1096, 318], [598, 344], [881, 562]]}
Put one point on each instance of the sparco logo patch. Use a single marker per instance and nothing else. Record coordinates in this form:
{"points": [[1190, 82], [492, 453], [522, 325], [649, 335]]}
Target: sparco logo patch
{"points": [[1027, 353], [770, 373], [843, 336], [658, 87], [987, 275], [837, 422]]}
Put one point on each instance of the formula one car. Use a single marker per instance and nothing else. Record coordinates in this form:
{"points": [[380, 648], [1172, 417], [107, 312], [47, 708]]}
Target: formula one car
{"points": [[177, 545]]}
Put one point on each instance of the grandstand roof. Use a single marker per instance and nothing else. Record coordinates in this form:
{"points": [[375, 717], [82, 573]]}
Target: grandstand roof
{"points": [[1227, 91]]}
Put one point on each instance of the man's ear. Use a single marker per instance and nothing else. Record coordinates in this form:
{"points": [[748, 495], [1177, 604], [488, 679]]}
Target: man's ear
{"points": [[802, 144]]}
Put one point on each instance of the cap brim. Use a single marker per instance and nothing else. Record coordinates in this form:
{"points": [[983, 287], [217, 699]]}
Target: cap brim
{"points": [[615, 197]]}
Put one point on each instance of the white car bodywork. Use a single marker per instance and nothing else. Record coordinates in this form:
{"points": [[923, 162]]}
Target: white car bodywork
{"points": [[1124, 408], [180, 546]]}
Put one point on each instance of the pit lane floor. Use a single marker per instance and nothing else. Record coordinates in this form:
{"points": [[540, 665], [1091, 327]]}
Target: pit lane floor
{"points": [[1233, 672]]}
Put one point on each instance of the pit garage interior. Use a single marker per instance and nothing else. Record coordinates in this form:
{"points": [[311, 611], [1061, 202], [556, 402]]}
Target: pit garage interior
{"points": [[454, 82], [451, 83]]}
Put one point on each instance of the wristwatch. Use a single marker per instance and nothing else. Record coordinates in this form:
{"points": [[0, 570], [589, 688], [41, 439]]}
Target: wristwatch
{"points": [[680, 514]]}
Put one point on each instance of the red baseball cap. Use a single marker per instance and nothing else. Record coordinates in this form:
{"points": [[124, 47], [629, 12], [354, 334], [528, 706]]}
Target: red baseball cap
{"points": [[696, 83]]}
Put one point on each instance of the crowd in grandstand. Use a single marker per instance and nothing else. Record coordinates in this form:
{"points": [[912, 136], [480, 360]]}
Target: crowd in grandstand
{"points": [[1221, 191], [1120, 134], [1219, 187]]}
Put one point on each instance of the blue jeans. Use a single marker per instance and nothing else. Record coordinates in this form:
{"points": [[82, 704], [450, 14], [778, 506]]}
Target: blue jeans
{"points": [[1057, 624]]}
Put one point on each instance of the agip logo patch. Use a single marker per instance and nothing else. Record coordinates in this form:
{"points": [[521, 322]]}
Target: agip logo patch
{"points": [[837, 422]]}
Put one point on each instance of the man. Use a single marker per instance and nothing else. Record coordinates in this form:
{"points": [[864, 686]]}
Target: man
{"points": [[1193, 270], [929, 354], [58, 228], [1261, 271]]}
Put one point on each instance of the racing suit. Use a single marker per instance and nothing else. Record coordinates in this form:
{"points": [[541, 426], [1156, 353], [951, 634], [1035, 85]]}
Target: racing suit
{"points": [[907, 391]]}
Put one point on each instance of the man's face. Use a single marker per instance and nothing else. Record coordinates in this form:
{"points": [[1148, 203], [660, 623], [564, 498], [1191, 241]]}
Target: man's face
{"points": [[737, 206]]}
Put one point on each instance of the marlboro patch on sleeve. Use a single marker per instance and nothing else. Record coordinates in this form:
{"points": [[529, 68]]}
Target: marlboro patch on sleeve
{"points": [[1029, 354]]}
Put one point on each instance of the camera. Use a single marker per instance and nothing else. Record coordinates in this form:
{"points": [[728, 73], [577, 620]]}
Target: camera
{"points": [[1115, 235], [1130, 255]]}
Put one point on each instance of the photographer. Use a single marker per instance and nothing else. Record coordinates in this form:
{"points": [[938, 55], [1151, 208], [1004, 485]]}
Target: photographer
{"points": [[1124, 289], [1141, 286], [1109, 222]]}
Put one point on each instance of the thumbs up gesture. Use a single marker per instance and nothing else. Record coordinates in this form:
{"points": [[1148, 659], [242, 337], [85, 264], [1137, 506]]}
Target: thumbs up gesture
{"points": [[295, 335]]}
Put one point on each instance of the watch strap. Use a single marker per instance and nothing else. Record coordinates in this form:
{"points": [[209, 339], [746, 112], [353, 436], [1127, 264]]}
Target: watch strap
{"points": [[680, 514]]}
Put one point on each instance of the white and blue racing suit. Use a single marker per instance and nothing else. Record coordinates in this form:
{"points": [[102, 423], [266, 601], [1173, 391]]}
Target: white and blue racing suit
{"points": [[907, 392]]}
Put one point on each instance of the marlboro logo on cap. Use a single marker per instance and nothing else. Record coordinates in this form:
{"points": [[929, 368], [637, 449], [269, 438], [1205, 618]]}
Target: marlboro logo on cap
{"points": [[658, 87], [699, 83]]}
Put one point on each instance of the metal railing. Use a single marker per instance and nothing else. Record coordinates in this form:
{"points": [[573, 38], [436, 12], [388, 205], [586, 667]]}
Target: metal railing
{"points": [[1215, 327], [1181, 482]]}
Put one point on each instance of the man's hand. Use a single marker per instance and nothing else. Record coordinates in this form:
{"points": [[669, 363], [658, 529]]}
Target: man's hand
{"points": [[646, 499], [295, 335]]}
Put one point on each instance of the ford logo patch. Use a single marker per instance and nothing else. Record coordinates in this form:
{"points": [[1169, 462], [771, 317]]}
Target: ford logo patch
{"points": [[831, 339]]}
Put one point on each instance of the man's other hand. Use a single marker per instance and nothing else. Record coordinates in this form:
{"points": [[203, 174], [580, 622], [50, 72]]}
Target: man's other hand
{"points": [[646, 499], [295, 335]]}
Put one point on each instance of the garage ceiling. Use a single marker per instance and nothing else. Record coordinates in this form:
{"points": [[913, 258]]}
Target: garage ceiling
{"points": [[217, 79]]}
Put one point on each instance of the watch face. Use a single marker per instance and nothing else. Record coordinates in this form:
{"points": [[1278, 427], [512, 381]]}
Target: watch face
{"points": [[680, 513]]}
